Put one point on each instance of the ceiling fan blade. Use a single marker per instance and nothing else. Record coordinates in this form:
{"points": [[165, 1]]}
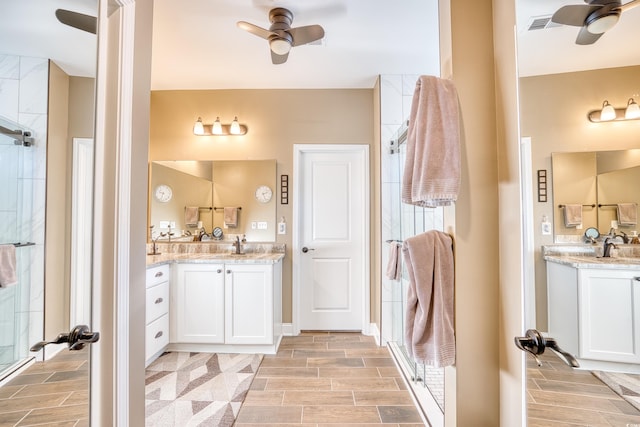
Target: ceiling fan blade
{"points": [[77, 20], [306, 34], [585, 37], [279, 59], [573, 14], [254, 29], [629, 5]]}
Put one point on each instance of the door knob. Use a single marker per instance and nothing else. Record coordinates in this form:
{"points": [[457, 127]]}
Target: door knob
{"points": [[76, 338], [306, 249], [533, 342]]}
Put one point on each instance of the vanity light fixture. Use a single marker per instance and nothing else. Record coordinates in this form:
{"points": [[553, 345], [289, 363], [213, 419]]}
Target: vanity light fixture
{"points": [[218, 128], [608, 113]]}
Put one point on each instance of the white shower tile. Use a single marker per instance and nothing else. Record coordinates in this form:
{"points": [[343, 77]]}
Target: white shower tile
{"points": [[391, 99], [25, 209], [34, 83], [8, 232], [35, 156], [9, 67], [9, 182], [409, 84], [7, 316], [38, 211], [406, 106], [9, 98], [36, 278]]}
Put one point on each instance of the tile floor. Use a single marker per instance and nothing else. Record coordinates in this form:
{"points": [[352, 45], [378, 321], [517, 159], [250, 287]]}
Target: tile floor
{"points": [[54, 392], [328, 379], [560, 396]]}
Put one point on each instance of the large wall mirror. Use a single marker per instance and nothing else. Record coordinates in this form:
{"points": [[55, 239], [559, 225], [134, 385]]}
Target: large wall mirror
{"points": [[598, 180], [560, 82], [179, 188]]}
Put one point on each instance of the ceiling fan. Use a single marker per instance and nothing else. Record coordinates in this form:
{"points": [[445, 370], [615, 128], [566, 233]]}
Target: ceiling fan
{"points": [[596, 17], [281, 36], [77, 20]]}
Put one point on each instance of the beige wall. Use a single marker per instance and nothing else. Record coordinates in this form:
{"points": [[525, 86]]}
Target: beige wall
{"points": [[554, 114], [276, 120]]}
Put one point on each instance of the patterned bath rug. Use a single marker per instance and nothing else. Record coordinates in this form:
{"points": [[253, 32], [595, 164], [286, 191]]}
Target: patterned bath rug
{"points": [[626, 385], [197, 389]]}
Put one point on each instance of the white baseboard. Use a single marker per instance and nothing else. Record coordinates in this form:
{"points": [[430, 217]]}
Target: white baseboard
{"points": [[287, 329], [374, 332]]}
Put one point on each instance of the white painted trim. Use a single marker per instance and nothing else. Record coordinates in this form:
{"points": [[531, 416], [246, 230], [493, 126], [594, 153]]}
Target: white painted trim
{"points": [[528, 223], [374, 332], [81, 226], [298, 151], [287, 329]]}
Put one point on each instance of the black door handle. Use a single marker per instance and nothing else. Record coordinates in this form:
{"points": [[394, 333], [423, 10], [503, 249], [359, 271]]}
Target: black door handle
{"points": [[306, 249], [76, 338], [533, 342]]}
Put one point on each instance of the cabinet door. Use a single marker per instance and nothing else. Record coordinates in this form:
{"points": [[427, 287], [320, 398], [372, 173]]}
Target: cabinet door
{"points": [[197, 304], [249, 304], [609, 324]]}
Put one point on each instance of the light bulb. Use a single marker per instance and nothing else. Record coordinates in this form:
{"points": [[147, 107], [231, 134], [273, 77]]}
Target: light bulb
{"points": [[280, 46], [198, 127], [633, 110], [604, 24], [216, 128], [235, 127], [608, 112]]}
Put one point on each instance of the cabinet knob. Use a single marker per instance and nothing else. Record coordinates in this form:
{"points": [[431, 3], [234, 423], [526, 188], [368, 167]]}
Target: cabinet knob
{"points": [[159, 300], [159, 334], [219, 270], [637, 278], [228, 271], [159, 274]]}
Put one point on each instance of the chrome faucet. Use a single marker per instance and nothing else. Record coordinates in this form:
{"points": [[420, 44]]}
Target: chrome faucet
{"points": [[607, 248]]}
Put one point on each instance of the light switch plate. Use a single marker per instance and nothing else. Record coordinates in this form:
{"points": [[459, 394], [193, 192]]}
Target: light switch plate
{"points": [[262, 225]]}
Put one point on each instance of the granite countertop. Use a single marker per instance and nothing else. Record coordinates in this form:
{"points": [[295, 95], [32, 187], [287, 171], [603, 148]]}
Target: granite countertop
{"points": [[590, 261], [212, 258]]}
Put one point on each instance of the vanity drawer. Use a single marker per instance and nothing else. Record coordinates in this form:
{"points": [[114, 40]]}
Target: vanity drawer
{"points": [[157, 301], [157, 275], [157, 336]]}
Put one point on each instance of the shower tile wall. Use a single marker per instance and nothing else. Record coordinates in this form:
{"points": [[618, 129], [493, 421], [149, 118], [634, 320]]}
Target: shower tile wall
{"points": [[399, 220], [23, 99]]}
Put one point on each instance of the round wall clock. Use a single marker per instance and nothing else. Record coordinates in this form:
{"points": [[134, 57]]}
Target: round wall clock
{"points": [[263, 194], [163, 193]]}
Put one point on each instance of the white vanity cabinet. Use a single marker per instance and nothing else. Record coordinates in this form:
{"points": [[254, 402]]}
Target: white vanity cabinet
{"points": [[197, 303], [594, 313], [157, 311], [230, 307]]}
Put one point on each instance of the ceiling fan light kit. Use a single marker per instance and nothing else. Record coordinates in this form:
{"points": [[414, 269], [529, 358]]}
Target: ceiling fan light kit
{"points": [[281, 36], [609, 114], [595, 18], [218, 128]]}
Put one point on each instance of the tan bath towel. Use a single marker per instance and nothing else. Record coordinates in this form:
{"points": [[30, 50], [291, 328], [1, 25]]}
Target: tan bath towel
{"points": [[627, 213], [8, 275], [432, 166], [429, 331], [572, 215], [393, 265], [191, 216], [230, 217]]}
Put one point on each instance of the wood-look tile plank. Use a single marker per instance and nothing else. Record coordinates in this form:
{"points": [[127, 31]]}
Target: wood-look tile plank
{"points": [[399, 414], [11, 418], [338, 345], [30, 402], [364, 384], [573, 401], [293, 384], [318, 398], [302, 353], [287, 373], [77, 398], [59, 387], [54, 365], [566, 415], [269, 414], [388, 397], [282, 362], [68, 376], [53, 415], [264, 398], [281, 425], [344, 414], [378, 362], [306, 346], [335, 362], [343, 338], [349, 373], [581, 389], [619, 420], [367, 352], [390, 371], [25, 379], [8, 390], [577, 376]]}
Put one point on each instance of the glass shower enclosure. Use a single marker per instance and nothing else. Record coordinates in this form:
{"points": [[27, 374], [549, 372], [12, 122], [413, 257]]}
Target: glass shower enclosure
{"points": [[21, 192]]}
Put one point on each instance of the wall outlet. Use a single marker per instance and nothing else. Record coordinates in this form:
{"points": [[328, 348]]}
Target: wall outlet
{"points": [[282, 228], [254, 225]]}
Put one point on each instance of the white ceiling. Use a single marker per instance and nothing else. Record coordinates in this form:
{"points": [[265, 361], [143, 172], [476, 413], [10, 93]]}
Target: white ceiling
{"points": [[197, 45]]}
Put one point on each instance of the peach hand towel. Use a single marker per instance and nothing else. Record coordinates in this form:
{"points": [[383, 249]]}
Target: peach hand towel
{"points": [[429, 331], [393, 265], [572, 215], [7, 266], [627, 213], [191, 216], [230, 217], [432, 166]]}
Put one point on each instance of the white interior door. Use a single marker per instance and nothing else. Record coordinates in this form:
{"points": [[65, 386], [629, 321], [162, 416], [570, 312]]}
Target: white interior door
{"points": [[331, 237]]}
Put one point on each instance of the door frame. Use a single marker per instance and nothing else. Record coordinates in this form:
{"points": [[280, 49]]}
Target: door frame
{"points": [[298, 151]]}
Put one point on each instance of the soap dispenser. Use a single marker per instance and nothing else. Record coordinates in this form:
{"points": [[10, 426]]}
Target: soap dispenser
{"points": [[634, 238]]}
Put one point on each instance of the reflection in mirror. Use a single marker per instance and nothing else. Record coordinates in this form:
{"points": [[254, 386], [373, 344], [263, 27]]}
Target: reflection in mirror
{"points": [[199, 193], [594, 178]]}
